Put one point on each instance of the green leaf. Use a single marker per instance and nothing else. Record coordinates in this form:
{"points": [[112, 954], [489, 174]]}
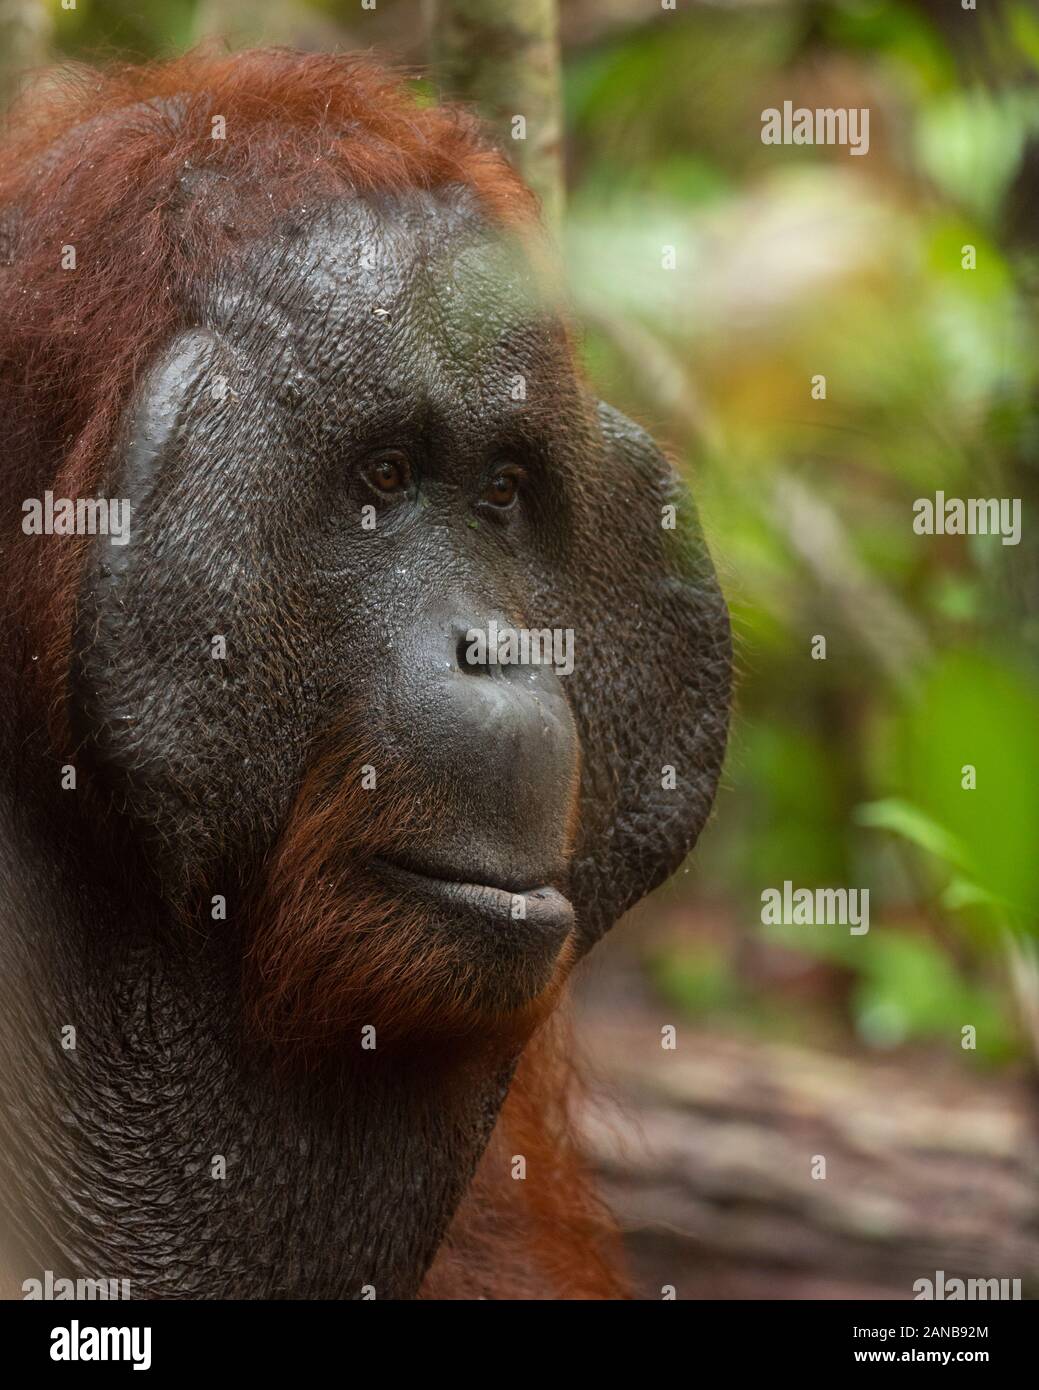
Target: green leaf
{"points": [[974, 710], [911, 990], [962, 893], [903, 818]]}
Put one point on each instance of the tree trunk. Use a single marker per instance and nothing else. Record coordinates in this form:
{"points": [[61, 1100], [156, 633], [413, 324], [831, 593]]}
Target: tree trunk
{"points": [[25, 30], [261, 21], [503, 58], [711, 1162]]}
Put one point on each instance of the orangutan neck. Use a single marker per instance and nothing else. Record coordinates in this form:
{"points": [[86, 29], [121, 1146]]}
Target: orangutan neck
{"points": [[161, 1150]]}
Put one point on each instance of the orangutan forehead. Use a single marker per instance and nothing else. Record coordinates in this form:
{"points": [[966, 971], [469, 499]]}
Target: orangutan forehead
{"points": [[399, 271]]}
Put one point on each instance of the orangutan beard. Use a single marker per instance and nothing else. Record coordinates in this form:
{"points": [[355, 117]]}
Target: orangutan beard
{"points": [[336, 949]]}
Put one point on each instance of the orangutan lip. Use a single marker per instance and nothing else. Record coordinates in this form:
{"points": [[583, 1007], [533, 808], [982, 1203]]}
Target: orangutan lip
{"points": [[542, 902]]}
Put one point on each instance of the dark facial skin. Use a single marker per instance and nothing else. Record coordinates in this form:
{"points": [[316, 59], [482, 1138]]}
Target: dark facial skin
{"points": [[249, 512], [364, 357]]}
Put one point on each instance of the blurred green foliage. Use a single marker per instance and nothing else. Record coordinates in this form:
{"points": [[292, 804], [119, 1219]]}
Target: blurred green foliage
{"points": [[124, 28], [798, 261], [794, 262]]}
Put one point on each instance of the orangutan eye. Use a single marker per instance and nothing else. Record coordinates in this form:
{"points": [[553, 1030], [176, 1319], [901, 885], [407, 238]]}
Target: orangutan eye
{"points": [[504, 487], [388, 473]]}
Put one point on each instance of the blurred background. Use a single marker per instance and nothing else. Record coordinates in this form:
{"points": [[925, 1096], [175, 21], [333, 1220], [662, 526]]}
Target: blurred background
{"points": [[906, 1058]]}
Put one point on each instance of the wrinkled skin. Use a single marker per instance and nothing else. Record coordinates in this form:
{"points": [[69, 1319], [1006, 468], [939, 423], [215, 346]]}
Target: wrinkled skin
{"points": [[356, 329]]}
